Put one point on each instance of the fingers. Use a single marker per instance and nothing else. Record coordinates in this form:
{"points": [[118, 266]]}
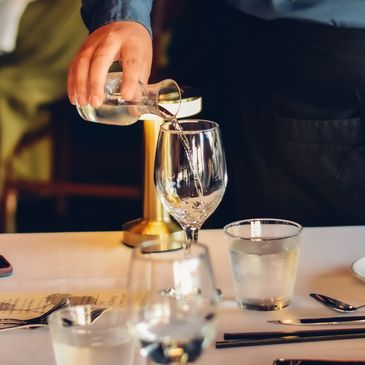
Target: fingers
{"points": [[126, 41], [146, 66], [131, 64], [77, 81], [102, 58], [87, 74], [136, 66], [88, 70]]}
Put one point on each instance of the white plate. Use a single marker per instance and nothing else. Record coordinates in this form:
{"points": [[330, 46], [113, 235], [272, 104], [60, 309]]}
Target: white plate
{"points": [[358, 268]]}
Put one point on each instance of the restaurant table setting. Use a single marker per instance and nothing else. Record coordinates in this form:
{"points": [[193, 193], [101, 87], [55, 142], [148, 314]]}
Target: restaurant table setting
{"points": [[95, 265], [217, 296]]}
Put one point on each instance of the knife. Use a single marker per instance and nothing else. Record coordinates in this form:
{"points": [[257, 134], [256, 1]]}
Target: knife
{"points": [[316, 362], [244, 339], [19, 326], [320, 321]]}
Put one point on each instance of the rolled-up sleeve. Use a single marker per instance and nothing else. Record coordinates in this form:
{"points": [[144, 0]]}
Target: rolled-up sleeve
{"points": [[96, 13]]}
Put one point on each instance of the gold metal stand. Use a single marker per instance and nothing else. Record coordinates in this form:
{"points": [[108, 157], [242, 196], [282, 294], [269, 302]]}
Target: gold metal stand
{"points": [[156, 223]]}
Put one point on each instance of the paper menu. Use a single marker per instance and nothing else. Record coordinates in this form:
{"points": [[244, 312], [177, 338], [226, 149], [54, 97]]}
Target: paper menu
{"points": [[21, 305]]}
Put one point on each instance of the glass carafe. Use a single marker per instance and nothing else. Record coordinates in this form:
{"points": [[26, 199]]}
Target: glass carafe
{"points": [[162, 99]]}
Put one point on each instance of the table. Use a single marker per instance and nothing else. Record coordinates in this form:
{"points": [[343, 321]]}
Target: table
{"points": [[97, 260]]}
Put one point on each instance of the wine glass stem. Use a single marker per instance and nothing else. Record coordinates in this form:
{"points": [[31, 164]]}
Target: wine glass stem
{"points": [[191, 236]]}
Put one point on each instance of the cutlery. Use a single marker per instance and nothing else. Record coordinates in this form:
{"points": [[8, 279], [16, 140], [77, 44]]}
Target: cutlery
{"points": [[320, 321], [7, 327], [335, 304], [271, 334], [41, 320], [316, 362], [94, 315], [272, 338]]}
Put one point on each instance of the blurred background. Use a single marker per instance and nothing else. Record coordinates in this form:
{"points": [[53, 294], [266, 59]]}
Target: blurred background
{"points": [[58, 172]]}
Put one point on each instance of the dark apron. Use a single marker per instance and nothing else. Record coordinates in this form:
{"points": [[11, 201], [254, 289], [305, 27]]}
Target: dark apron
{"points": [[293, 125]]}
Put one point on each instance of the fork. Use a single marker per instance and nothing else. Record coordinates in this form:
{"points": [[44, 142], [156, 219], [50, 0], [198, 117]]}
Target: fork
{"points": [[94, 314], [41, 320]]}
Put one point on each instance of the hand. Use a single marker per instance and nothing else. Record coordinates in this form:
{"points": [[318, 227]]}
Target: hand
{"points": [[123, 41]]}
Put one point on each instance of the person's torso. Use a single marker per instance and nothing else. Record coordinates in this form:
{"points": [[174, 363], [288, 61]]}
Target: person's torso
{"points": [[341, 13]]}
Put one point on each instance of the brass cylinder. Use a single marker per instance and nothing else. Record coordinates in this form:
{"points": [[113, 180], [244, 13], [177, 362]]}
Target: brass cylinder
{"points": [[156, 223]]}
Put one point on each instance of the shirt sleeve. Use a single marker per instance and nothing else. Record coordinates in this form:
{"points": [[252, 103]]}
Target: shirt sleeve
{"points": [[96, 13]]}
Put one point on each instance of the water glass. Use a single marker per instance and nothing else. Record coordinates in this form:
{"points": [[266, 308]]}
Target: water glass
{"points": [[172, 302], [80, 338], [263, 257]]}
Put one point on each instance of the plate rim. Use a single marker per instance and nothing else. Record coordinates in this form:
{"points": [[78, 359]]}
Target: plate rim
{"points": [[355, 271]]}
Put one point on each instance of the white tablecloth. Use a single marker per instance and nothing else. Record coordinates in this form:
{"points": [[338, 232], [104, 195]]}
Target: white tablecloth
{"points": [[61, 262]]}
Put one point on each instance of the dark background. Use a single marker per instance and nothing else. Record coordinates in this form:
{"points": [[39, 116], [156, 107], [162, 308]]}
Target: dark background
{"points": [[184, 42]]}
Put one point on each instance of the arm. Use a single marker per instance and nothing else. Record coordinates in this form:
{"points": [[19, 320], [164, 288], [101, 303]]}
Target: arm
{"points": [[96, 13], [120, 32]]}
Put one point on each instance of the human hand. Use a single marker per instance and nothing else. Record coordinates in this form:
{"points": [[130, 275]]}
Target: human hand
{"points": [[124, 41]]}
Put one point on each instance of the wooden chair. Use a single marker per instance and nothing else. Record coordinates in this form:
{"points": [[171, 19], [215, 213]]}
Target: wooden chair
{"points": [[68, 156]]}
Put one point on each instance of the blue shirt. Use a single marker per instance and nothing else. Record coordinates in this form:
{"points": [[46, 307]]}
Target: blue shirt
{"points": [[342, 13], [96, 13]]}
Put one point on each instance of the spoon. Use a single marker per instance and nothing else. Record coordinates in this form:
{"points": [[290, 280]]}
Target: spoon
{"points": [[335, 304]]}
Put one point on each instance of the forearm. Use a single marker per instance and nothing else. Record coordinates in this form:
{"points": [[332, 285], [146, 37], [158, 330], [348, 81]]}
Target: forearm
{"points": [[96, 13]]}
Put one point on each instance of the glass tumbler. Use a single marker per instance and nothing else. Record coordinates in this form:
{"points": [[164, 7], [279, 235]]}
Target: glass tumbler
{"points": [[263, 255]]}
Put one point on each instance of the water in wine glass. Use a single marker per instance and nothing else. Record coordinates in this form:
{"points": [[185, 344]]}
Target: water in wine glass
{"points": [[190, 172], [189, 155]]}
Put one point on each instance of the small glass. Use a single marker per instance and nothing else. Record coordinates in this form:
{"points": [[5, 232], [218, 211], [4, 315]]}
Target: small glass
{"points": [[172, 302], [263, 256], [81, 337], [162, 99]]}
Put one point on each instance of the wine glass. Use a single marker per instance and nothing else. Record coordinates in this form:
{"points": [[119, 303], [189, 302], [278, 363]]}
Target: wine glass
{"points": [[190, 172], [175, 325]]}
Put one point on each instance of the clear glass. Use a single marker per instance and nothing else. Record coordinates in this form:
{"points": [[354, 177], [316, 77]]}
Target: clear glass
{"points": [[190, 172], [172, 302], [80, 337], [263, 256], [162, 99]]}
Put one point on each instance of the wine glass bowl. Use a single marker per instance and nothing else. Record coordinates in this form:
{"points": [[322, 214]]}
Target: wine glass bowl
{"points": [[190, 172], [172, 326]]}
